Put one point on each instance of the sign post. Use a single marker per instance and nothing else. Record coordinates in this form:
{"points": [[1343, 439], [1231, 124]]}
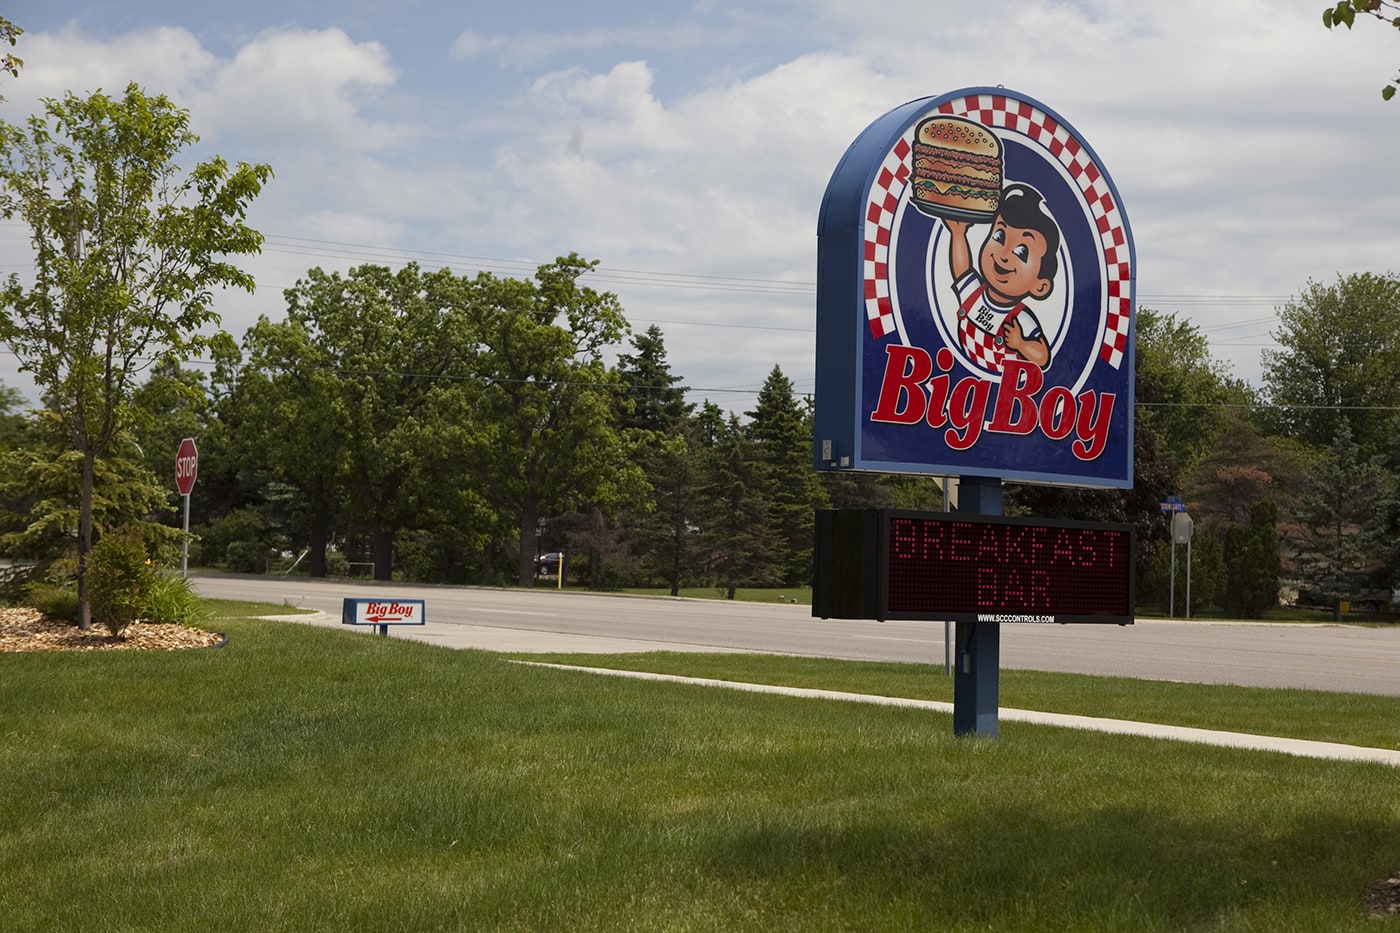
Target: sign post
{"points": [[976, 678], [1182, 526], [186, 469]]}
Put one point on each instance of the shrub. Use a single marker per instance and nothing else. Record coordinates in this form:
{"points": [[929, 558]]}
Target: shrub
{"points": [[337, 564], [246, 557], [244, 531], [172, 602], [57, 602], [120, 578]]}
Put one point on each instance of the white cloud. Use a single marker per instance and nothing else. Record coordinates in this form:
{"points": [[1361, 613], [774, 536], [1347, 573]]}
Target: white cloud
{"points": [[1242, 138], [306, 88], [168, 60]]}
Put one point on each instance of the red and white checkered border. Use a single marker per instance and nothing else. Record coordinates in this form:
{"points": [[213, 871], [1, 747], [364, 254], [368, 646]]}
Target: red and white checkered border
{"points": [[999, 111]]}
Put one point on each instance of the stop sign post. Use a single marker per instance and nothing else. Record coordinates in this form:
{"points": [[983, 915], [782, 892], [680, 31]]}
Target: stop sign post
{"points": [[186, 469]]}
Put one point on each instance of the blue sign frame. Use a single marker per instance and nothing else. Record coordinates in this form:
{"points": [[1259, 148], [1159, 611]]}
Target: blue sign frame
{"points": [[919, 369]]}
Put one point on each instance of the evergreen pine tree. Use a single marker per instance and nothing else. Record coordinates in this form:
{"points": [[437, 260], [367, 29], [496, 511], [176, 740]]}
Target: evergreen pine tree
{"points": [[1253, 565], [1337, 517], [782, 430], [741, 550], [657, 398], [653, 412]]}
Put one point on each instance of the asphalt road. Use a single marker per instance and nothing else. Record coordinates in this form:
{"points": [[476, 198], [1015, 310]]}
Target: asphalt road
{"points": [[1315, 657]]}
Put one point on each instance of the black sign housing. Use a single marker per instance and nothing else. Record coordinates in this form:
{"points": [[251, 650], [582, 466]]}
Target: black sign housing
{"points": [[893, 564]]}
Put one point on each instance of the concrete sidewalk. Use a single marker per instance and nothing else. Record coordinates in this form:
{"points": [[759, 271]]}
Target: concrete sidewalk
{"points": [[1264, 743], [505, 640]]}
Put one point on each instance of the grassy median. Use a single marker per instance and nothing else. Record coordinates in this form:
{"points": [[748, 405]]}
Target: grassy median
{"points": [[311, 779]]}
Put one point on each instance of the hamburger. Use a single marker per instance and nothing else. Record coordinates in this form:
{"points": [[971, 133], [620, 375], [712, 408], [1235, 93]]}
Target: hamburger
{"points": [[957, 169]]}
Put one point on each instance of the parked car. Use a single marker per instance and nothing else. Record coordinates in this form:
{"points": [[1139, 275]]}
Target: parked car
{"points": [[547, 565]]}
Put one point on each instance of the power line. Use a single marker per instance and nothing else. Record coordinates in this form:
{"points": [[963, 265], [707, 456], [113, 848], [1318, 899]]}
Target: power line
{"points": [[339, 249]]}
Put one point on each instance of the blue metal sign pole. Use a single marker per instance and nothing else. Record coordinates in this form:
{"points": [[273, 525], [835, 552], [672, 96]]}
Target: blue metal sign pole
{"points": [[975, 680]]}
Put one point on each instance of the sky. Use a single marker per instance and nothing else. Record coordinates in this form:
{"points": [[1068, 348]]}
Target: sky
{"points": [[686, 146]]}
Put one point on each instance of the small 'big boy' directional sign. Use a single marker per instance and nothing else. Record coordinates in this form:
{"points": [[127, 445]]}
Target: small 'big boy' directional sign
{"points": [[382, 612]]}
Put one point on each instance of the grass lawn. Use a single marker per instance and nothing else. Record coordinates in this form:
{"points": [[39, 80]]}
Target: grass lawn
{"points": [[1352, 719], [310, 779]]}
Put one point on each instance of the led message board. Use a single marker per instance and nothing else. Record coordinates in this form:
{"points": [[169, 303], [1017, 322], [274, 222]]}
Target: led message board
{"points": [[975, 298], [887, 564]]}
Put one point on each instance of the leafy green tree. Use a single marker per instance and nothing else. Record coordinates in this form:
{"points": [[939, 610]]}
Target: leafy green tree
{"points": [[383, 360], [283, 424], [1155, 476], [1338, 356], [1337, 516], [1227, 481], [1183, 392], [129, 251], [1252, 563], [782, 430], [14, 426], [10, 33], [546, 439], [205, 409], [171, 405], [1344, 14], [1186, 401]]}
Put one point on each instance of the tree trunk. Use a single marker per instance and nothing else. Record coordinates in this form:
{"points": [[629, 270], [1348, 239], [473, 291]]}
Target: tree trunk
{"points": [[525, 566], [318, 536], [674, 570], [381, 551], [488, 562], [85, 539]]}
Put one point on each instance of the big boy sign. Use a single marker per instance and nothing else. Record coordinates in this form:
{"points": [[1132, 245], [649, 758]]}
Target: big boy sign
{"points": [[975, 294]]}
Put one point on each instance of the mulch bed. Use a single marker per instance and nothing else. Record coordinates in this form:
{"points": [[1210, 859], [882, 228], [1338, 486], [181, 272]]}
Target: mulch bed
{"points": [[1383, 897], [31, 630]]}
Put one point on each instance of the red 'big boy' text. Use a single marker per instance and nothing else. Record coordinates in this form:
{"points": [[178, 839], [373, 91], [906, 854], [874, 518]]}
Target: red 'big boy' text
{"points": [[911, 393]]}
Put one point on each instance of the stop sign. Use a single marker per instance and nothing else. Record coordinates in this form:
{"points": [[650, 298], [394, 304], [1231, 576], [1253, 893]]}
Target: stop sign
{"points": [[186, 466]]}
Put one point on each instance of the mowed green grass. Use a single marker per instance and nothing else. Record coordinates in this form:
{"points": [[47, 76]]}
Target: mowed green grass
{"points": [[310, 779], [1348, 718]]}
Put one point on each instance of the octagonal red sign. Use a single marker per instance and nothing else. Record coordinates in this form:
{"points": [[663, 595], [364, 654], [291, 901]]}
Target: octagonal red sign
{"points": [[186, 466]]}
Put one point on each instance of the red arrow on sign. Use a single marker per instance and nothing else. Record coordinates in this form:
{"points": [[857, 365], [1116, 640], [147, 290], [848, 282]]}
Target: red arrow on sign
{"points": [[186, 466]]}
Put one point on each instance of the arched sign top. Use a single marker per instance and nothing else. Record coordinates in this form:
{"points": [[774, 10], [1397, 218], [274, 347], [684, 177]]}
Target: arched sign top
{"points": [[975, 298]]}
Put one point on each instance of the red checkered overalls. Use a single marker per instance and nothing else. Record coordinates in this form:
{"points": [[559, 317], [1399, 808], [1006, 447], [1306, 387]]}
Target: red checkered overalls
{"points": [[980, 323]]}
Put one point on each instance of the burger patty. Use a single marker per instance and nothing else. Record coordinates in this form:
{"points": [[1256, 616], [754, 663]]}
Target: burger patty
{"points": [[939, 168], [950, 183], [926, 190], [925, 151]]}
